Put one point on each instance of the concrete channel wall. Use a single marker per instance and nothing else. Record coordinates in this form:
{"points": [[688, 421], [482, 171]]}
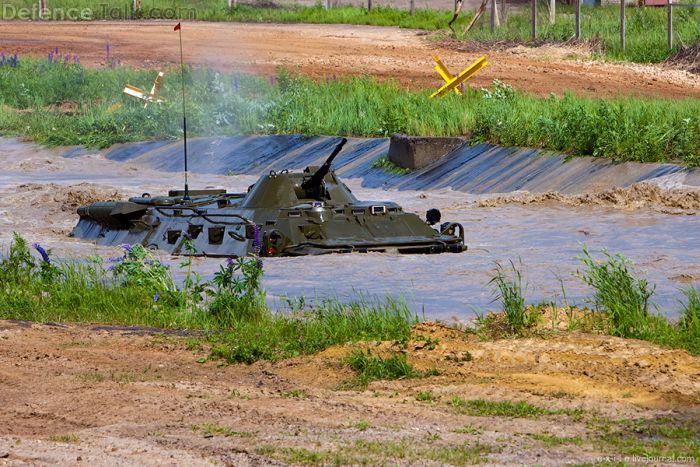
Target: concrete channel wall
{"points": [[481, 168]]}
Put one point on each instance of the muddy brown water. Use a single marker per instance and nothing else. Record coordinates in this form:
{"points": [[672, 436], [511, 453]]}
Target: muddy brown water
{"points": [[39, 190]]}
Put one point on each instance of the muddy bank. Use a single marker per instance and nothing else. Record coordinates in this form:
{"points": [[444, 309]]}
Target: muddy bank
{"points": [[638, 196], [74, 395]]}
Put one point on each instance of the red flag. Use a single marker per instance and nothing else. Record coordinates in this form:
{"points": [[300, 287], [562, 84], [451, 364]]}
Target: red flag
{"points": [[177, 28]]}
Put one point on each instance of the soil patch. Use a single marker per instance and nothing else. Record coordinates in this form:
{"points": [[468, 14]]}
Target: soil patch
{"points": [[73, 393]]}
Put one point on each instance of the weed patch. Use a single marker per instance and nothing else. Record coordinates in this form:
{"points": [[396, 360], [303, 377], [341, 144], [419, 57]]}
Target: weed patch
{"points": [[387, 166], [521, 409], [69, 438]]}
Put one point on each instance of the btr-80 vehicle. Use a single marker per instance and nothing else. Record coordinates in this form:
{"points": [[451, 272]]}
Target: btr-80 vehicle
{"points": [[292, 214]]}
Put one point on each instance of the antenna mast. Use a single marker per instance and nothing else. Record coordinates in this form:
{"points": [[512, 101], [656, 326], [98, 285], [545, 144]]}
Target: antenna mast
{"points": [[184, 112]]}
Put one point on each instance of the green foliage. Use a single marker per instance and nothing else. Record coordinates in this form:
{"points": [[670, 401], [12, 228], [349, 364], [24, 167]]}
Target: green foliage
{"points": [[139, 290], [425, 396], [238, 295], [689, 325], [389, 167], [374, 367], [508, 288], [658, 437], [520, 409], [282, 335], [618, 293], [65, 104]]}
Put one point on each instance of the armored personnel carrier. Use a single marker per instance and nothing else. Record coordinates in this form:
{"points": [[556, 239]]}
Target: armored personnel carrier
{"points": [[292, 214]]}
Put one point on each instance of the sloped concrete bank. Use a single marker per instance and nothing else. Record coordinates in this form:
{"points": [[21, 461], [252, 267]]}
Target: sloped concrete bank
{"points": [[477, 169]]}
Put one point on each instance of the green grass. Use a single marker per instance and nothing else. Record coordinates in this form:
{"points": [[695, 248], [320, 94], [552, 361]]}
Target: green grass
{"points": [[552, 440], [69, 438], [375, 367], [520, 409], [66, 104], [389, 167], [508, 289], [625, 299], [659, 437], [645, 30], [370, 452], [646, 27], [296, 394], [139, 291]]}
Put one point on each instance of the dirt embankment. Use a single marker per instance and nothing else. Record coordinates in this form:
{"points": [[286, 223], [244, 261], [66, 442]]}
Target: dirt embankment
{"points": [[637, 196], [101, 395], [324, 51]]}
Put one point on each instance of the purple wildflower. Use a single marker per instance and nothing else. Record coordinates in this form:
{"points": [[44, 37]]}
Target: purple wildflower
{"points": [[335, 78], [156, 297], [107, 50], [259, 263], [56, 51], [116, 259], [128, 248], [230, 263], [44, 254], [50, 57], [67, 58], [257, 243], [13, 61]]}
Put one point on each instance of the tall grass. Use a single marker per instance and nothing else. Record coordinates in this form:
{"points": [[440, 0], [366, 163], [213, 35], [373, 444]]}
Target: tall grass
{"points": [[619, 293], [66, 104], [508, 288], [137, 290], [625, 299]]}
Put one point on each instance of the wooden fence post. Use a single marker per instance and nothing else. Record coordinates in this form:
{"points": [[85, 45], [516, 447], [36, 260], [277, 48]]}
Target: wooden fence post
{"points": [[622, 24], [412, 7], [552, 11], [504, 10], [369, 5], [670, 24], [578, 20], [534, 19]]}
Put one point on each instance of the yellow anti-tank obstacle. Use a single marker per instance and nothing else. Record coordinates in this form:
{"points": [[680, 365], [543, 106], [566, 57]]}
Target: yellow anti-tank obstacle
{"points": [[452, 82]]}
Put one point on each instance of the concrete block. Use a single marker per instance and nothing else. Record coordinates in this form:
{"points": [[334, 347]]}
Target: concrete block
{"points": [[416, 152]]}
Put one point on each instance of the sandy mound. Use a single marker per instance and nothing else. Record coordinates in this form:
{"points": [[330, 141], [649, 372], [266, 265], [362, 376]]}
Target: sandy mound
{"points": [[637, 196]]}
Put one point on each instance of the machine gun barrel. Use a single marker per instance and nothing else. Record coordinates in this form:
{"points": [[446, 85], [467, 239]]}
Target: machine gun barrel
{"points": [[316, 179]]}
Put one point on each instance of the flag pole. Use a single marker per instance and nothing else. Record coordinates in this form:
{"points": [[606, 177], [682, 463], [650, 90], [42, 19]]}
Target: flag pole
{"points": [[184, 112]]}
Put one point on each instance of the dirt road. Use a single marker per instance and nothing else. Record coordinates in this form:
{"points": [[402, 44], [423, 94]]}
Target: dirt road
{"points": [[324, 51], [105, 395]]}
